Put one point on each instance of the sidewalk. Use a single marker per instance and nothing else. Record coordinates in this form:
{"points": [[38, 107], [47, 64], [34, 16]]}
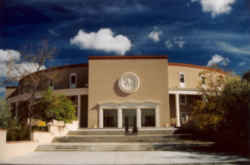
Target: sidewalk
{"points": [[128, 158]]}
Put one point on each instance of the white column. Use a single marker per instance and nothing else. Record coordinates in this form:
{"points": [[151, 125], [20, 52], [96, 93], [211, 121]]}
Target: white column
{"points": [[177, 105], [138, 117], [157, 116], [120, 118], [79, 109], [100, 117]]}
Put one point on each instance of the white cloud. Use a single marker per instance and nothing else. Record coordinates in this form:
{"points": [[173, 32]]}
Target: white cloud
{"points": [[7, 55], [155, 35], [2, 90], [179, 42], [232, 49], [216, 7], [242, 63], [176, 42], [219, 60], [169, 44], [19, 68], [104, 40], [24, 69]]}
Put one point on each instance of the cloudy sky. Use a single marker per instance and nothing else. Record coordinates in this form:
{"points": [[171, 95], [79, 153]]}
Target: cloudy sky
{"points": [[203, 32]]}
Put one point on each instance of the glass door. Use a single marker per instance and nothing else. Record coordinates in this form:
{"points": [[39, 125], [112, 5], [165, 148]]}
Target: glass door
{"points": [[129, 116], [110, 118]]}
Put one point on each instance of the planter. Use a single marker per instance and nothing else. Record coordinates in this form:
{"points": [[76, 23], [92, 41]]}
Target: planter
{"points": [[3, 134], [42, 137]]}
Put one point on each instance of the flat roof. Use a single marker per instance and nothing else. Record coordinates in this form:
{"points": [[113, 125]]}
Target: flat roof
{"points": [[127, 57], [196, 66], [11, 87]]}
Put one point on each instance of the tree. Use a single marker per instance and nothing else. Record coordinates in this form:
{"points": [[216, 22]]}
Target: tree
{"points": [[55, 107], [224, 112], [30, 83], [4, 114], [207, 112], [246, 76]]}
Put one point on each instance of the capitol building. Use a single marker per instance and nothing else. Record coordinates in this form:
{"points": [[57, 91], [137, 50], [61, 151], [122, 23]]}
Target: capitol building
{"points": [[147, 91]]}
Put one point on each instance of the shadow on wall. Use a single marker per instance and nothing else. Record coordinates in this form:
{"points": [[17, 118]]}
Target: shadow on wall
{"points": [[118, 90]]}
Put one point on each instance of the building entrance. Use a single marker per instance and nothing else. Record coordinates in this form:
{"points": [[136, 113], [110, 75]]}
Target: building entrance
{"points": [[129, 116]]}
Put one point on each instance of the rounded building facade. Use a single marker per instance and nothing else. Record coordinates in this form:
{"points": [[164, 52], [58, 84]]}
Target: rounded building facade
{"points": [[111, 91]]}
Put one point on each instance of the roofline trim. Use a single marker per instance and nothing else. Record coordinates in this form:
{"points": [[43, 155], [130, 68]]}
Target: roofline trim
{"points": [[57, 68], [196, 66], [126, 57], [11, 87]]}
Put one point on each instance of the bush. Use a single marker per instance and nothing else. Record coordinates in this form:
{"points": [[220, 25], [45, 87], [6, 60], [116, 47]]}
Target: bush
{"points": [[4, 114], [17, 132], [37, 128], [40, 126], [224, 117], [56, 107]]}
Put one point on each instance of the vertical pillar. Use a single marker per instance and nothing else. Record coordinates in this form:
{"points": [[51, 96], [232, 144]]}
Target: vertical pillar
{"points": [[79, 109], [120, 117], [100, 117], [16, 110], [138, 117], [177, 105], [157, 116]]}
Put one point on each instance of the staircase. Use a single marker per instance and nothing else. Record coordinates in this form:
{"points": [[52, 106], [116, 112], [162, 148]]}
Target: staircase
{"points": [[94, 140]]}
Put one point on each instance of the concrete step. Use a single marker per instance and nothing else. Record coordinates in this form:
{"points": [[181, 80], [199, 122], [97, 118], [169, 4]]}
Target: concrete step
{"points": [[121, 131], [119, 138], [108, 147]]}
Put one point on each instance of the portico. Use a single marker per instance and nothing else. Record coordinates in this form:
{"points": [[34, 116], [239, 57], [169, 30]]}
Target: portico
{"points": [[145, 114], [179, 94]]}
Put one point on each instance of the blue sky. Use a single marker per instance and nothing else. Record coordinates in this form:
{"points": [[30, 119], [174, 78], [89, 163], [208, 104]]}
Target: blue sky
{"points": [[200, 32]]}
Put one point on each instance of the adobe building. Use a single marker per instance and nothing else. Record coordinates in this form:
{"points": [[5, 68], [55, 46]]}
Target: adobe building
{"points": [[146, 90]]}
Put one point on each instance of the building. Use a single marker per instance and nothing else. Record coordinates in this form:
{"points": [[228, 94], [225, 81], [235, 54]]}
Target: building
{"points": [[108, 90]]}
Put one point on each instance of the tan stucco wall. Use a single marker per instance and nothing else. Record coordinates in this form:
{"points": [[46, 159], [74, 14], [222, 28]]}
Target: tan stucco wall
{"points": [[103, 77], [60, 79], [191, 75], [9, 91]]}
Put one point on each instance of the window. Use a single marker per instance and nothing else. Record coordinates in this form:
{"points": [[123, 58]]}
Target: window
{"points": [[51, 84], [73, 80], [182, 80], [183, 100], [148, 117], [110, 118], [203, 80]]}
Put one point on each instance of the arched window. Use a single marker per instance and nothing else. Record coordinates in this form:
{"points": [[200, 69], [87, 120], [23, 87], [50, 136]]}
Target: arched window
{"points": [[51, 84], [73, 80], [182, 80]]}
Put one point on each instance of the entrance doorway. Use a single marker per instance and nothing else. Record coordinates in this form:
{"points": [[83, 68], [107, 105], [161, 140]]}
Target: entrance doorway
{"points": [[129, 115], [84, 112], [110, 118]]}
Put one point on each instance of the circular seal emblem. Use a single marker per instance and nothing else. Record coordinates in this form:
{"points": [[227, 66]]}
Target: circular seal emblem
{"points": [[129, 82]]}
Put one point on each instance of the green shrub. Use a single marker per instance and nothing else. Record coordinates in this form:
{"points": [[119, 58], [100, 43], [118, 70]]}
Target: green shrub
{"points": [[17, 132], [225, 116], [55, 107], [4, 114], [37, 128]]}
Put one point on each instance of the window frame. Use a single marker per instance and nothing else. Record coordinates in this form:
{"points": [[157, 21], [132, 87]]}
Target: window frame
{"points": [[182, 84], [72, 85], [180, 78], [185, 100], [51, 84], [203, 80]]}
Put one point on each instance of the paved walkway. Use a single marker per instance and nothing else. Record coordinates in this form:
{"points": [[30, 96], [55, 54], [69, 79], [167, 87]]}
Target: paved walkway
{"points": [[166, 157]]}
